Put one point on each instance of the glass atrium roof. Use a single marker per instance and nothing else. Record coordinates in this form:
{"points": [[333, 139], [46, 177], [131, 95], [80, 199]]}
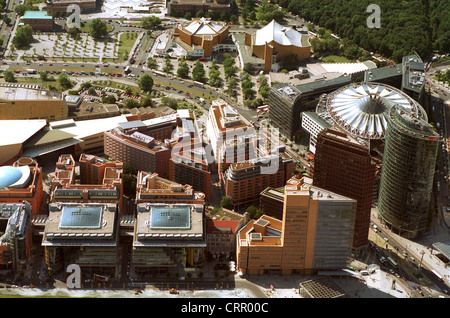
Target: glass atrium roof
{"points": [[362, 110], [170, 218], [79, 217]]}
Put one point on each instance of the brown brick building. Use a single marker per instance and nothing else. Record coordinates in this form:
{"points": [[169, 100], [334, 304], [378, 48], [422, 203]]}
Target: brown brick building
{"points": [[245, 181], [344, 166], [106, 178]]}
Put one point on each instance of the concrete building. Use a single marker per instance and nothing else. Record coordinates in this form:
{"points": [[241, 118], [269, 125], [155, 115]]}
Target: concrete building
{"points": [[315, 234], [100, 181], [407, 175], [29, 103], [132, 143], [354, 178], [83, 234], [21, 182], [168, 236], [271, 201], [221, 238], [16, 241], [178, 8], [287, 102], [224, 126], [54, 6], [150, 188], [244, 181], [203, 36], [38, 20], [271, 44], [190, 167]]}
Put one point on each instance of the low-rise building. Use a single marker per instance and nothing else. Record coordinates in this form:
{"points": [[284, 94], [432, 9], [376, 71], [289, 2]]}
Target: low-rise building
{"points": [[38, 20], [178, 8], [59, 6], [150, 188], [264, 49], [202, 37], [31, 103]]}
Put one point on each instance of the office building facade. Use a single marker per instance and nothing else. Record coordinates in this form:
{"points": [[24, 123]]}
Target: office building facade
{"points": [[315, 234], [344, 166], [407, 175]]}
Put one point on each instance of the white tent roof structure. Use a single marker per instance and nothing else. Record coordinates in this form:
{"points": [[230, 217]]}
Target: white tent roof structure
{"points": [[203, 27], [279, 34]]}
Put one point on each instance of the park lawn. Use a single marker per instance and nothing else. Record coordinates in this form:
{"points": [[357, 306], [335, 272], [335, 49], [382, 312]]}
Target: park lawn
{"points": [[336, 59], [85, 27], [126, 44]]}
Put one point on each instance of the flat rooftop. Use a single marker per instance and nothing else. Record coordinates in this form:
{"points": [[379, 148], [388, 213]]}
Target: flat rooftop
{"points": [[42, 15], [160, 224], [80, 224], [22, 93]]}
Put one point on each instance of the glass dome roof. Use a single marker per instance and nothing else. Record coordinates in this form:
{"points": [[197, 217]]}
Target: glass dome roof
{"points": [[9, 175], [362, 109]]}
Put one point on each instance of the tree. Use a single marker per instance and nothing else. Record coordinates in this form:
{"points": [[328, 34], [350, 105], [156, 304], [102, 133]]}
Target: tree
{"points": [[150, 22], [43, 75], [9, 76], [64, 81], [214, 75], [168, 65], [198, 73], [7, 20], [183, 69], [23, 37], [132, 103], [226, 202], [146, 83], [73, 32], [21, 8], [254, 212], [152, 63], [98, 28]]}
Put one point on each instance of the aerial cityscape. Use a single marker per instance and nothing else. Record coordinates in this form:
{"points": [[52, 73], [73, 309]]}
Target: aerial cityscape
{"points": [[224, 149]]}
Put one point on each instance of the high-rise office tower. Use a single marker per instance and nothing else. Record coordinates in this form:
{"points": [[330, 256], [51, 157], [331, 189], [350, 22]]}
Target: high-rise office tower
{"points": [[407, 174], [344, 166]]}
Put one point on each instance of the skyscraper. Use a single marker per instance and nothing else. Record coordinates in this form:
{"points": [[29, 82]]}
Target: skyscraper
{"points": [[344, 166], [407, 174]]}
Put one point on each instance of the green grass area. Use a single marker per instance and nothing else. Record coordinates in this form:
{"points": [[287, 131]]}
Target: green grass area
{"points": [[126, 43], [47, 85], [336, 59], [85, 27]]}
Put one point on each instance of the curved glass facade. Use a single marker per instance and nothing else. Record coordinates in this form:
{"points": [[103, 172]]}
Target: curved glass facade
{"points": [[407, 174]]}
